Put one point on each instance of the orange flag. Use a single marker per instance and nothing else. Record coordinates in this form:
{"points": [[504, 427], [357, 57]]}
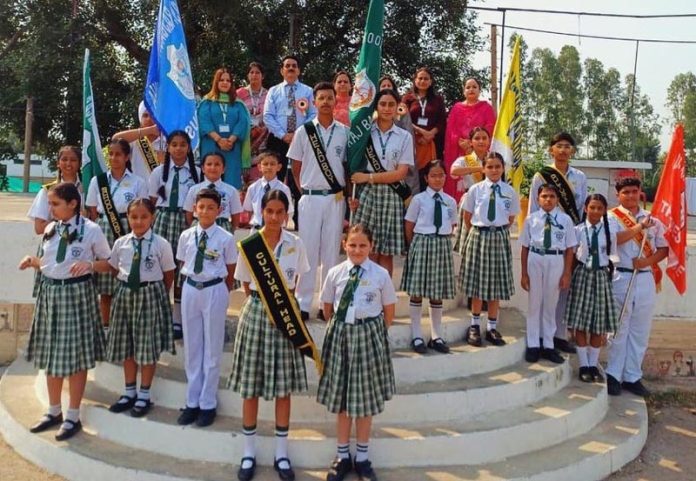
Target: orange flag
{"points": [[670, 208]]}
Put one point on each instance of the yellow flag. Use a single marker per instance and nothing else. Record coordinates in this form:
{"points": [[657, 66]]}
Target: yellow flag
{"points": [[507, 134]]}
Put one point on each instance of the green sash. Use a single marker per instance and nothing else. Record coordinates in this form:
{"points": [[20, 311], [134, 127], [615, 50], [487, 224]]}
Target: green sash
{"points": [[278, 302], [565, 191], [109, 208]]}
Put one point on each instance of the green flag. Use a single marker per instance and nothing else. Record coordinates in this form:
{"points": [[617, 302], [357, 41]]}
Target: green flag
{"points": [[92, 157], [367, 75]]}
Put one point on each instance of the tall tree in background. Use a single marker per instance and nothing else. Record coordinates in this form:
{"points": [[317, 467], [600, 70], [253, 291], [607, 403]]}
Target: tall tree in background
{"points": [[681, 99]]}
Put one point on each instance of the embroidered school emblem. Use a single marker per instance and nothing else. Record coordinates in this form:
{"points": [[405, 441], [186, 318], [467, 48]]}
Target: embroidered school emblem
{"points": [[289, 273], [149, 263], [180, 70], [339, 150], [76, 251], [370, 297], [128, 196], [508, 204], [560, 235], [363, 92]]}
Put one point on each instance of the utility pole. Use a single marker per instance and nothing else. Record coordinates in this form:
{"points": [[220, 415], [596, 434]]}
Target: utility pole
{"points": [[494, 67], [28, 126]]}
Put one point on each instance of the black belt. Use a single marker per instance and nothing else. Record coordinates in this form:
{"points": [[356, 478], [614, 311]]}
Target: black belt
{"points": [[488, 228], [547, 252], [626, 269], [66, 282], [170, 209], [202, 285], [320, 191], [120, 215], [142, 284], [432, 235]]}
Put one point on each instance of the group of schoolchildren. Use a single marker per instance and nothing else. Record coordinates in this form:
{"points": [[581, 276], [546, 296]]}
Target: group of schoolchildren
{"points": [[175, 232]]}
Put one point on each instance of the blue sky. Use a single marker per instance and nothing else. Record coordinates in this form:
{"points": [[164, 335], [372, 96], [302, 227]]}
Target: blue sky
{"points": [[657, 63]]}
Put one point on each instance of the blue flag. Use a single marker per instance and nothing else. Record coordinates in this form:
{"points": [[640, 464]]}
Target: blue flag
{"points": [[169, 92]]}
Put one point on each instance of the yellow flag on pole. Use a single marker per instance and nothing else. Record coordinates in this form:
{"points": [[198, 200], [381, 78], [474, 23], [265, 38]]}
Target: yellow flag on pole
{"points": [[507, 134]]}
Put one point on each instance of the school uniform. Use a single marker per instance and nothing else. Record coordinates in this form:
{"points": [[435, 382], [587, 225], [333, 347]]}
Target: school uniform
{"points": [[358, 375], [578, 181], [140, 321], [128, 188], [381, 209], [429, 268], [265, 363], [230, 204], [141, 168], [486, 269], [547, 235], [464, 183], [254, 196], [66, 334], [591, 307], [320, 212], [204, 301], [630, 343]]}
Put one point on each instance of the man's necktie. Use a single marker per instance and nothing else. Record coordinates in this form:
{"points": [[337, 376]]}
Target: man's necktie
{"points": [[437, 217], [348, 292], [174, 193], [134, 274], [63, 244], [200, 253]]}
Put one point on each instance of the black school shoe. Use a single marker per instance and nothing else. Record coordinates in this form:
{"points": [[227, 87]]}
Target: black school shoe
{"points": [[73, 428], [532, 354], [552, 355], [596, 375], [613, 386], [494, 337], [119, 406], [564, 346], [47, 421], [304, 315], [246, 474], [419, 347], [585, 374], [286, 474], [365, 471], [206, 417], [438, 344], [636, 388], [140, 408], [188, 415], [178, 331], [473, 336], [340, 468]]}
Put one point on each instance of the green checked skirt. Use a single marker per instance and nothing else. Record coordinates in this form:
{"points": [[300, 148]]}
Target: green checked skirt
{"points": [[486, 270], [382, 211], [591, 306], [106, 283], [429, 268]]}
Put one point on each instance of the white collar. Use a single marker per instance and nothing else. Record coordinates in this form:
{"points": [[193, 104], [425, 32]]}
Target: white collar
{"points": [[147, 236], [432, 192], [209, 231]]}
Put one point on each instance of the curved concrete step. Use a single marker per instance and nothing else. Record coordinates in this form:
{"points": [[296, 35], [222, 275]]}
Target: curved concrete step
{"points": [[460, 398], [616, 440]]}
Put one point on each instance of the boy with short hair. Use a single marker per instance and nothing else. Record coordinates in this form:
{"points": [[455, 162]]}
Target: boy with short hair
{"points": [[269, 165], [208, 256], [548, 239], [631, 341]]}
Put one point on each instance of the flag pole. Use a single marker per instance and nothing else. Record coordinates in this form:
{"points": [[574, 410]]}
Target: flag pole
{"points": [[352, 212], [631, 283]]}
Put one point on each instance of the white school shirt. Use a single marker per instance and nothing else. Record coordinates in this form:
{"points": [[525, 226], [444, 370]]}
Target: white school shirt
{"points": [[255, 193], [583, 233], [39, 207], [156, 256], [140, 166], [230, 202], [398, 147], [374, 291], [220, 251], [562, 230], [631, 249], [90, 245], [421, 211], [464, 182], [185, 183], [575, 177], [506, 205], [336, 136], [129, 188], [291, 257]]}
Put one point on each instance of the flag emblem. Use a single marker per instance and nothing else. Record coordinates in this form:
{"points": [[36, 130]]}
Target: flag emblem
{"points": [[180, 70], [363, 92]]}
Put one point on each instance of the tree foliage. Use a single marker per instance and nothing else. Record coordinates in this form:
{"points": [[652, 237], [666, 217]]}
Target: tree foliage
{"points": [[681, 99]]}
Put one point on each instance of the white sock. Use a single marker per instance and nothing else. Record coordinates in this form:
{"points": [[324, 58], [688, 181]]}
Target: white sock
{"points": [[176, 313], [343, 451], [582, 356], [144, 393], [475, 319], [361, 452], [249, 445], [129, 391], [435, 320], [593, 356], [54, 410], [281, 437], [492, 324], [415, 311], [73, 415]]}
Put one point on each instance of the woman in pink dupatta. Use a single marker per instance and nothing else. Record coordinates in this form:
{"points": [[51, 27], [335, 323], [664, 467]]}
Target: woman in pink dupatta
{"points": [[463, 117]]}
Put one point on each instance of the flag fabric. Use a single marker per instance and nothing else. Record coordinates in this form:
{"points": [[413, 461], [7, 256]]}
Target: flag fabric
{"points": [[507, 135], [367, 74], [670, 208], [169, 92], [92, 156]]}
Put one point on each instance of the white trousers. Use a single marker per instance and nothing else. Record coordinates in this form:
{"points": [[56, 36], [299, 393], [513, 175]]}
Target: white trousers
{"points": [[321, 227], [561, 326], [628, 347], [203, 314], [544, 277]]}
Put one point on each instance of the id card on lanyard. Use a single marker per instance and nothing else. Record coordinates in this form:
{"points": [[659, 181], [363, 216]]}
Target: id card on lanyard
{"points": [[224, 127], [422, 120]]}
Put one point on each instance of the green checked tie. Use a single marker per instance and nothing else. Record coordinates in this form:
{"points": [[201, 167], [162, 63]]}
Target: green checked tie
{"points": [[491, 202], [174, 194], [594, 248], [348, 292], [134, 274], [437, 218], [63, 244], [200, 254], [547, 232]]}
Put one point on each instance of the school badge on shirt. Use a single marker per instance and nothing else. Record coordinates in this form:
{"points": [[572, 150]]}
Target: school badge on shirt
{"points": [[290, 273], [560, 235], [76, 251], [128, 196], [149, 263], [370, 297]]}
